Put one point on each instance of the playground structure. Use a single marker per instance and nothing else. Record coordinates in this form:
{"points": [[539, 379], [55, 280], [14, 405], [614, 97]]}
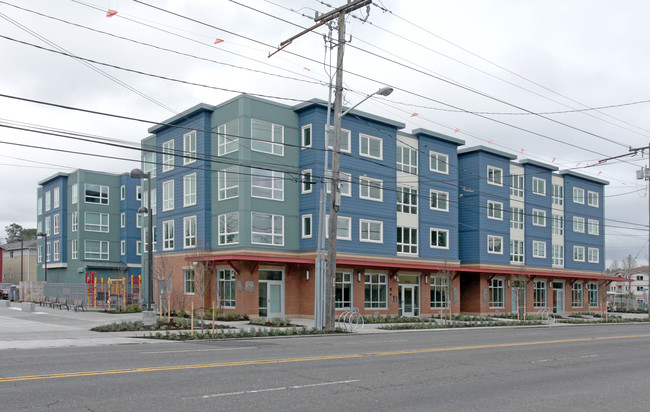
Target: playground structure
{"points": [[112, 293]]}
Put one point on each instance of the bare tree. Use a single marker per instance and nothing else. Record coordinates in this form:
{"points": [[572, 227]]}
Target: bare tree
{"points": [[163, 273], [203, 280], [628, 263]]}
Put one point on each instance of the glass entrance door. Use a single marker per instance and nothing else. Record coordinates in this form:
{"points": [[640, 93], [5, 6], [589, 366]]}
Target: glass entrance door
{"points": [[558, 297], [409, 300], [271, 294]]}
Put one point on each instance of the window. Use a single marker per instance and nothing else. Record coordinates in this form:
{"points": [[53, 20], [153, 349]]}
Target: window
{"points": [[579, 224], [371, 231], [138, 220], [439, 292], [539, 293], [558, 194], [168, 156], [189, 232], [343, 290], [407, 160], [557, 224], [494, 210], [189, 147], [48, 248], [96, 222], [96, 194], [57, 250], [229, 228], [39, 205], [57, 224], [267, 184], [306, 136], [593, 255], [343, 227], [122, 247], [168, 235], [516, 218], [494, 176], [122, 220], [188, 281], [306, 186], [48, 225], [578, 195], [168, 195], [579, 253], [228, 183], [153, 198], [149, 164], [516, 251], [495, 244], [539, 186], [138, 193], [439, 162], [39, 226], [371, 189], [439, 238], [267, 229], [228, 137], [576, 295], [439, 200], [376, 288], [497, 292], [592, 290], [539, 249], [306, 226], [48, 201], [370, 146], [407, 200], [267, 137], [226, 288], [75, 194], [517, 186], [539, 217], [345, 180], [345, 140], [639, 277], [592, 198], [57, 197], [189, 190], [75, 249], [138, 248], [558, 255], [122, 192], [592, 227], [407, 240], [39, 253], [75, 221], [96, 249]]}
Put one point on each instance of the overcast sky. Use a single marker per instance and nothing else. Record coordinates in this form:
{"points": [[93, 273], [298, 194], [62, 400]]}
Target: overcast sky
{"points": [[496, 57]]}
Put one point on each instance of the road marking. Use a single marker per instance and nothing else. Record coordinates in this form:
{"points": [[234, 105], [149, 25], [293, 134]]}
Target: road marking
{"points": [[308, 359], [282, 388], [374, 341], [565, 359], [196, 350]]}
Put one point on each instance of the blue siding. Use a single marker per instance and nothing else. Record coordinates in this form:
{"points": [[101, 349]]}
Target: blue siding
{"points": [[539, 202]]}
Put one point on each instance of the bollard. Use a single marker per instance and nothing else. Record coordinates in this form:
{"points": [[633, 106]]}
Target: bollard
{"points": [[28, 306]]}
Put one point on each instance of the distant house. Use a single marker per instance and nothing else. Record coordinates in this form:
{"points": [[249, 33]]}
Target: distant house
{"points": [[633, 293], [12, 256]]}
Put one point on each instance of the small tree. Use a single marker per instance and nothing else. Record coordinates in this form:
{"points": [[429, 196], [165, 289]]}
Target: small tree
{"points": [[15, 231], [203, 278], [163, 273]]}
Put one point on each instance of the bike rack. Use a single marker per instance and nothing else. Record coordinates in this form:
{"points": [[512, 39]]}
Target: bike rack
{"points": [[547, 316], [351, 320]]}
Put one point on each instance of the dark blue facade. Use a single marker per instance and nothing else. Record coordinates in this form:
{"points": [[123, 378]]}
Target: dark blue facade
{"points": [[537, 202], [130, 233]]}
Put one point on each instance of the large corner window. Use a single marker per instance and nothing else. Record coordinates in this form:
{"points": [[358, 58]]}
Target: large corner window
{"points": [[267, 137], [97, 194]]}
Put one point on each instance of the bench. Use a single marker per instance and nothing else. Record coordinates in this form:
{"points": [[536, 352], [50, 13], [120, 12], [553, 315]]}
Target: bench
{"points": [[78, 304], [41, 301], [50, 301], [61, 303]]}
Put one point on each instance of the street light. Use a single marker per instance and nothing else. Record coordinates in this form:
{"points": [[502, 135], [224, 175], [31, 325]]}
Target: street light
{"points": [[139, 174], [336, 200], [44, 254], [21, 258]]}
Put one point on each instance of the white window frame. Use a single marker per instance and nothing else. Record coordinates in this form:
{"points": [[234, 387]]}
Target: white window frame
{"points": [[168, 195], [346, 140], [122, 247], [593, 227], [168, 156], [539, 294], [228, 190], [495, 176], [368, 186], [539, 249], [408, 248], [496, 293], [539, 186], [102, 227], [226, 237], [517, 218], [592, 295], [168, 235], [189, 190], [274, 145], [343, 227], [188, 281], [539, 217], [56, 224], [376, 282], [56, 246], [592, 198], [306, 228], [74, 217], [578, 253], [593, 255], [56, 195], [517, 251], [103, 253], [369, 143], [495, 245], [74, 246], [122, 219], [405, 165], [558, 194], [75, 194], [557, 224], [303, 140], [48, 225], [149, 164], [578, 224], [102, 196], [189, 147], [189, 232], [138, 193], [345, 180], [276, 233], [407, 200], [436, 162], [578, 195], [226, 143], [494, 210], [138, 248], [557, 255], [577, 295], [440, 197], [435, 233], [39, 205], [365, 230], [48, 201], [306, 185], [267, 184], [517, 186]]}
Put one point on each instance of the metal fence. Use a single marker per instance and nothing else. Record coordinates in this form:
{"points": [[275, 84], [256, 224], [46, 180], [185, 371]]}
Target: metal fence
{"points": [[107, 295]]}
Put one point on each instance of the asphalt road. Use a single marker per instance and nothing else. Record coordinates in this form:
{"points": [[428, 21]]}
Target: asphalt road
{"points": [[559, 368]]}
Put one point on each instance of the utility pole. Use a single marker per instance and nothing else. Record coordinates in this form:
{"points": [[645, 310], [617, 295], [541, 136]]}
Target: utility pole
{"points": [[335, 196], [644, 174]]}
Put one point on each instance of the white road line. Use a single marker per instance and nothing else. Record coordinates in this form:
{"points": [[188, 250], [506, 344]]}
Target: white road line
{"points": [[374, 341], [282, 388], [195, 350], [565, 359]]}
